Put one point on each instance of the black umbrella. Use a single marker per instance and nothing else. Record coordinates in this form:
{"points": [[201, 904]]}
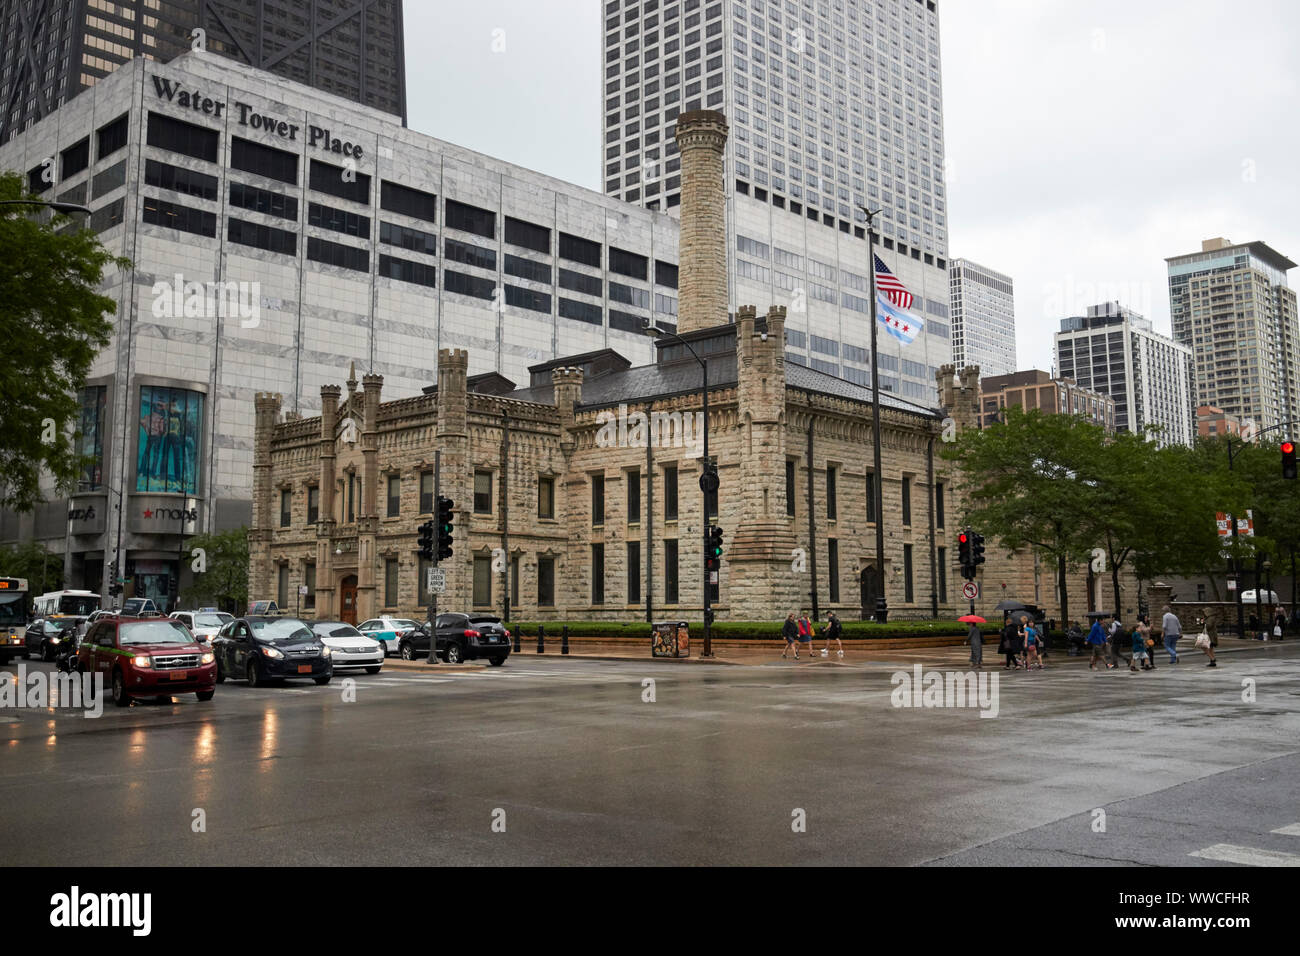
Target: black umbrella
{"points": [[1100, 614], [1009, 605]]}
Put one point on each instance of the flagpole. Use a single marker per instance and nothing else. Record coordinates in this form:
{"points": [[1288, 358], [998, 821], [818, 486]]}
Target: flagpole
{"points": [[882, 605]]}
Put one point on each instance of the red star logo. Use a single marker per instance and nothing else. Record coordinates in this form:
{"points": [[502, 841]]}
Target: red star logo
{"points": [[148, 513], [906, 328]]}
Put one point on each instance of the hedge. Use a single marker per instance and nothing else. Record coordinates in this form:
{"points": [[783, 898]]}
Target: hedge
{"points": [[754, 630]]}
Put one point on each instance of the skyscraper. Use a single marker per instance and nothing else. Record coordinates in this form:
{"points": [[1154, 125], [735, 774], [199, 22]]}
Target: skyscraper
{"points": [[983, 318], [1231, 304], [832, 104], [1115, 351], [56, 48]]}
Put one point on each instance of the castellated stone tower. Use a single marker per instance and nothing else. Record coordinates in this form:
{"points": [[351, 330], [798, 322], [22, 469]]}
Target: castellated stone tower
{"points": [[453, 442], [763, 541], [959, 394], [267, 414], [702, 243], [567, 383]]}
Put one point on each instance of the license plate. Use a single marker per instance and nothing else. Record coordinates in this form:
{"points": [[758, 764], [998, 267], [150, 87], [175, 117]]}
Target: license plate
{"points": [[304, 668], [179, 675]]}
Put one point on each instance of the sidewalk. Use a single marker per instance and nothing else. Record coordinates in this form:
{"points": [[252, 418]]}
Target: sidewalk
{"points": [[855, 652]]}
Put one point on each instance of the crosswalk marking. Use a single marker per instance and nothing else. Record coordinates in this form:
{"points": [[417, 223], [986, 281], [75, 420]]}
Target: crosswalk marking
{"points": [[1247, 856], [1291, 829]]}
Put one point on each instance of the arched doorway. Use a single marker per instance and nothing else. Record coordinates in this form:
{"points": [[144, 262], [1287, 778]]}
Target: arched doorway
{"points": [[869, 588], [348, 600]]}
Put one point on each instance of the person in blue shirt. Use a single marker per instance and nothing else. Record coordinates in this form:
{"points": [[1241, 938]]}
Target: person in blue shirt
{"points": [[1097, 641], [1140, 655]]}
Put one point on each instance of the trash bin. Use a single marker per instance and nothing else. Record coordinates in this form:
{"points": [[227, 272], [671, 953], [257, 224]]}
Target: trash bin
{"points": [[670, 639]]}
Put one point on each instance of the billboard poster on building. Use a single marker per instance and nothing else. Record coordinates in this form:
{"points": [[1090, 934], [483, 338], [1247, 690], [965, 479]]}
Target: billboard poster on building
{"points": [[169, 441]]}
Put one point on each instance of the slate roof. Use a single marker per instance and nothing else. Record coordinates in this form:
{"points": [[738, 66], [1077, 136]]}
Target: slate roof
{"points": [[683, 378]]}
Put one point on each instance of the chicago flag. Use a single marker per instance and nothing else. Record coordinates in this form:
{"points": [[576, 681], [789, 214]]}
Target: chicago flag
{"points": [[900, 323]]}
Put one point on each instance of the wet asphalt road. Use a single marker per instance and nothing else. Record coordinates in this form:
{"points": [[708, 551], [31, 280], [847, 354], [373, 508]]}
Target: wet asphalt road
{"points": [[557, 761]]}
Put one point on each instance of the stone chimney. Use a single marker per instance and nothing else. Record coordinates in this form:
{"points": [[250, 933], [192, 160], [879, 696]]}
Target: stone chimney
{"points": [[702, 247], [567, 383]]}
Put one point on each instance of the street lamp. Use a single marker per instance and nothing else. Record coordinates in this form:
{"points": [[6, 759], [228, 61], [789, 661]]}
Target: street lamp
{"points": [[648, 326], [63, 207], [882, 605]]}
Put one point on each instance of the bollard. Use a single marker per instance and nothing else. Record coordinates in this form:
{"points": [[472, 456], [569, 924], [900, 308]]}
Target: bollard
{"points": [[518, 632], [541, 638], [564, 640]]}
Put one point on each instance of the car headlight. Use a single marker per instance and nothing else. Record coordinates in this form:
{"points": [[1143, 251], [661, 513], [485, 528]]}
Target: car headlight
{"points": [[272, 652], [142, 660], [324, 650], [208, 658], [54, 640]]}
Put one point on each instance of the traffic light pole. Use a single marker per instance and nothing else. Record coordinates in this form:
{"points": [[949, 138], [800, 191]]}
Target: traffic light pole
{"points": [[433, 597]]}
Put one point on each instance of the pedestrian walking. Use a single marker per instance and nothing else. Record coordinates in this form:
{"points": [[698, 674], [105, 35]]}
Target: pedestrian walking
{"points": [[1172, 629], [1012, 645], [1029, 634], [1143, 626], [976, 641], [1205, 644], [1139, 650], [790, 631], [1097, 641], [1279, 623], [1075, 637], [833, 630], [806, 632], [1113, 637]]}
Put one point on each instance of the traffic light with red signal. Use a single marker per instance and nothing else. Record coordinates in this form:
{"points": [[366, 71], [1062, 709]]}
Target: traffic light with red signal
{"points": [[1288, 459]]}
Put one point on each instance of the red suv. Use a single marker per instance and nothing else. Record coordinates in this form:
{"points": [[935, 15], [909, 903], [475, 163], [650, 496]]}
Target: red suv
{"points": [[147, 657]]}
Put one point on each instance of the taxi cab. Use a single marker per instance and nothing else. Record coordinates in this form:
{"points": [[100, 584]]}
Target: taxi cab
{"points": [[147, 657]]}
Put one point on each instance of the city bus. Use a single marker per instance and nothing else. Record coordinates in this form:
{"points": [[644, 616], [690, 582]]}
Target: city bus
{"points": [[13, 617], [56, 604]]}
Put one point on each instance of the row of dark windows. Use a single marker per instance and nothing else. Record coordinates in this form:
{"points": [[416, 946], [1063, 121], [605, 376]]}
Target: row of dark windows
{"points": [[263, 160], [263, 201], [338, 181], [337, 254], [470, 255], [404, 270], [407, 238], [415, 203], [261, 237], [467, 218], [180, 180], [339, 220], [528, 269], [178, 136], [157, 212], [528, 235]]}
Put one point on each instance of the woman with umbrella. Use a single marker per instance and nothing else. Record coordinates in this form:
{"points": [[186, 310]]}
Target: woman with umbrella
{"points": [[975, 639]]}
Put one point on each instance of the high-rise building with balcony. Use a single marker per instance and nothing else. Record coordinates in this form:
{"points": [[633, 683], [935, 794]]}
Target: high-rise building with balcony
{"points": [[832, 104], [54, 49], [983, 318], [1230, 303], [1115, 351]]}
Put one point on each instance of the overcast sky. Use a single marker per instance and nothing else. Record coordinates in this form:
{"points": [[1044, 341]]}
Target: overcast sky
{"points": [[1087, 140]]}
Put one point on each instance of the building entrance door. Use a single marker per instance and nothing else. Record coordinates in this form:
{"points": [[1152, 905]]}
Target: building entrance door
{"points": [[348, 600], [869, 588]]}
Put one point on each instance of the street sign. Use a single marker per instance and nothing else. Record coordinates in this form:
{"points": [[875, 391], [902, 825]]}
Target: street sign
{"points": [[302, 589], [713, 577], [436, 581], [970, 590], [1232, 585]]}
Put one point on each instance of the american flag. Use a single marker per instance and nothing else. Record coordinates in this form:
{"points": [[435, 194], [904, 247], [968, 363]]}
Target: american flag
{"points": [[887, 284]]}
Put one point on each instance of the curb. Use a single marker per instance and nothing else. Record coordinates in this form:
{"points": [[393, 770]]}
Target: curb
{"points": [[402, 665]]}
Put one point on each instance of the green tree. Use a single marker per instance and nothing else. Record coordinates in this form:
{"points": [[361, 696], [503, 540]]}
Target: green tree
{"points": [[1018, 476], [53, 323], [224, 581], [42, 568]]}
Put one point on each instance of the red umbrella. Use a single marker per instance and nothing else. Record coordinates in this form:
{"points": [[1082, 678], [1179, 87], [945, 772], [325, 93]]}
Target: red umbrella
{"points": [[972, 619]]}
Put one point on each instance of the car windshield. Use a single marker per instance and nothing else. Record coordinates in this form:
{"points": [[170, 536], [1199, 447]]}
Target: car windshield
{"points": [[153, 632], [208, 620], [341, 630], [136, 605], [403, 622], [285, 629], [54, 625]]}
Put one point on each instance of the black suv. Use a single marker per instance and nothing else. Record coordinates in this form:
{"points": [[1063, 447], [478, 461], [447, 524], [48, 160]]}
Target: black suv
{"points": [[262, 648], [461, 637]]}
